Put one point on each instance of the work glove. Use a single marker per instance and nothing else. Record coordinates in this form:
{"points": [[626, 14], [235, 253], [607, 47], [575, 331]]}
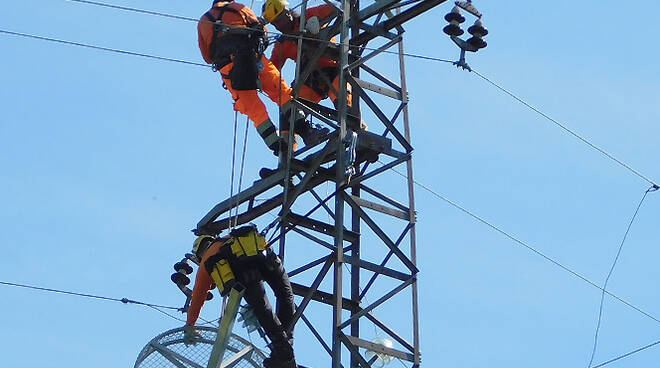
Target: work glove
{"points": [[190, 335], [313, 25]]}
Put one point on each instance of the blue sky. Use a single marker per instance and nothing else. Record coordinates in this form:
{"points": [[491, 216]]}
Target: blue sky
{"points": [[108, 160]]}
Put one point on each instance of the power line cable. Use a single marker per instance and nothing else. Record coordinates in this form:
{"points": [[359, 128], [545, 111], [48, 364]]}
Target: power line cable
{"points": [[141, 11], [122, 300], [171, 16], [626, 355], [607, 279], [520, 242], [562, 126], [167, 314], [94, 47]]}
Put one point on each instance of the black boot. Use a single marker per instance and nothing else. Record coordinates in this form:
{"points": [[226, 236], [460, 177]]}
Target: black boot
{"points": [[310, 133], [281, 355], [276, 363]]}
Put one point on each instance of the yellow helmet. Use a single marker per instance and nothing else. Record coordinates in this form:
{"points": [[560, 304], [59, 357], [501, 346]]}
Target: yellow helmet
{"points": [[201, 244], [273, 8]]}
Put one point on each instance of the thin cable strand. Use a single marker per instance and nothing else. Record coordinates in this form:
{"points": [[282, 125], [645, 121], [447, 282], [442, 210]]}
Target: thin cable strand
{"points": [[626, 355], [123, 300], [602, 151], [149, 12], [520, 242], [161, 58], [607, 279], [171, 16]]}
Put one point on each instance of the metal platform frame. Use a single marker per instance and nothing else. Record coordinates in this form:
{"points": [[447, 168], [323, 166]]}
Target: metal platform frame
{"points": [[358, 28]]}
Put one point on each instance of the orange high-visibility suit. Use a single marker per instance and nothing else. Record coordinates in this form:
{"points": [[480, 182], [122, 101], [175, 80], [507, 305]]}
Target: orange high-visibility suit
{"points": [[246, 100], [315, 88]]}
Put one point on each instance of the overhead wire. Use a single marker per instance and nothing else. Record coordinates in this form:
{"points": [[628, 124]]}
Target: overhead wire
{"points": [[178, 17], [607, 279], [122, 300], [529, 247], [156, 307], [101, 48], [627, 354], [571, 132]]}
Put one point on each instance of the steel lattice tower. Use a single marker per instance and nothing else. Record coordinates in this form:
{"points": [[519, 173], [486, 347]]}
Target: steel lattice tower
{"points": [[365, 32]]}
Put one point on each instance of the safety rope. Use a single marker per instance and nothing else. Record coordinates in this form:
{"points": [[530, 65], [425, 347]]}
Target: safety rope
{"points": [[233, 164], [240, 176]]}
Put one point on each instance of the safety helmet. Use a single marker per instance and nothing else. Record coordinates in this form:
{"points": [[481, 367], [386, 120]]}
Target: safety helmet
{"points": [[201, 244], [273, 8]]}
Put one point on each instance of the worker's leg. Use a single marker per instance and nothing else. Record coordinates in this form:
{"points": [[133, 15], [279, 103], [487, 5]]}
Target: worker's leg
{"points": [[248, 102], [255, 296], [274, 274], [273, 84], [333, 95], [308, 93]]}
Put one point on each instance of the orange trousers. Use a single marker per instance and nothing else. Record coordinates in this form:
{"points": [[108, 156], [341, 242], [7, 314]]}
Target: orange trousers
{"points": [[308, 93], [248, 102]]}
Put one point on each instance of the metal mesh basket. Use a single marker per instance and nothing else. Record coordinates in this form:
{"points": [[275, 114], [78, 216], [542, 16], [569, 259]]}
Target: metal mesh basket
{"points": [[167, 350]]}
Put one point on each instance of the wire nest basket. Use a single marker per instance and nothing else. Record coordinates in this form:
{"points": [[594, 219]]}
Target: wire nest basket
{"points": [[168, 350]]}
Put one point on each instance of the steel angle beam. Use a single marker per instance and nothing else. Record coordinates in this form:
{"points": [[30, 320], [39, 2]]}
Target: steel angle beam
{"points": [[378, 89], [324, 112], [314, 239], [381, 116], [257, 211], [381, 234], [389, 255], [308, 266], [378, 348], [316, 334], [235, 359], [381, 208], [374, 305], [377, 269], [380, 324], [323, 297], [244, 196], [394, 40], [354, 351], [310, 292], [381, 78], [374, 9], [384, 198], [397, 20], [312, 166], [319, 226]]}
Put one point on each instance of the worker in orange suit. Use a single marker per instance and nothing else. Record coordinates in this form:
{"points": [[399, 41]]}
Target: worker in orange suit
{"points": [[287, 21], [233, 39], [244, 258]]}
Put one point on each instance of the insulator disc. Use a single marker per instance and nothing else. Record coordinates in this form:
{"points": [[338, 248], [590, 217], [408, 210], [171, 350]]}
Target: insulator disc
{"points": [[478, 30], [455, 17], [453, 30], [477, 42], [183, 266], [180, 279]]}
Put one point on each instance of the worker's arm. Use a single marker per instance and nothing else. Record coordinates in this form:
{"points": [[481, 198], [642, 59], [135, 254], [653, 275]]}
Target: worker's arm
{"points": [[203, 283], [205, 37], [321, 11]]}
